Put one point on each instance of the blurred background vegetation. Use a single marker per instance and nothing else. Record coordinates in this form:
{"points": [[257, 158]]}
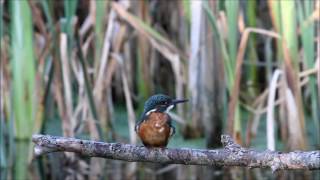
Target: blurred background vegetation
{"points": [[83, 68]]}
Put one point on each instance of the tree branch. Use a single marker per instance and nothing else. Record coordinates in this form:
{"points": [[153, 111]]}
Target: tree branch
{"points": [[231, 155]]}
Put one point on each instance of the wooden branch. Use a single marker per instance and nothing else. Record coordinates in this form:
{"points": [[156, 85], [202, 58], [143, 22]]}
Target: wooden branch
{"points": [[231, 155]]}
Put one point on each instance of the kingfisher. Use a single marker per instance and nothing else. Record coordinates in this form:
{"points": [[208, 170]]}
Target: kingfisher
{"points": [[155, 126]]}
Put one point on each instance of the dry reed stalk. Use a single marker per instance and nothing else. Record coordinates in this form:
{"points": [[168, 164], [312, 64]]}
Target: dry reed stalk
{"points": [[235, 90], [97, 90], [40, 24], [69, 124], [283, 115], [294, 103], [5, 83], [100, 86], [175, 64], [194, 64], [178, 74], [112, 66], [110, 72], [80, 70], [118, 42], [40, 105], [96, 165], [271, 140], [57, 91], [288, 49], [80, 111], [129, 104], [145, 87], [265, 93], [317, 64], [148, 32], [164, 46], [86, 45], [276, 103], [253, 125], [260, 101], [132, 167], [222, 25], [90, 19], [309, 72], [295, 135]]}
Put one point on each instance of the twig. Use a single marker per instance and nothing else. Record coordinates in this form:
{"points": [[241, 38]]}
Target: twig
{"points": [[231, 155]]}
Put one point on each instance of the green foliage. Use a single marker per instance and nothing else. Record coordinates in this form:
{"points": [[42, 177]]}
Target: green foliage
{"points": [[23, 68], [232, 12], [289, 26], [186, 9], [227, 62], [305, 10], [252, 54], [99, 27], [70, 10], [23, 71]]}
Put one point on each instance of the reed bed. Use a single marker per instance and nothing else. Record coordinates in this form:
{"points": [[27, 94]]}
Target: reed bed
{"points": [[76, 68]]}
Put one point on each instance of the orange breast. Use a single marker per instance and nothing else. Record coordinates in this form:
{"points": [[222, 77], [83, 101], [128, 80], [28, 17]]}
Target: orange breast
{"points": [[155, 131]]}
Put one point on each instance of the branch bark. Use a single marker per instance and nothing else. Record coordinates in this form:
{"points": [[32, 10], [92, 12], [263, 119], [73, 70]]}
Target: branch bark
{"points": [[231, 155]]}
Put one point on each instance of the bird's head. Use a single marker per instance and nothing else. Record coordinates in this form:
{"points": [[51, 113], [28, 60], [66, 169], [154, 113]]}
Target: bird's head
{"points": [[161, 103]]}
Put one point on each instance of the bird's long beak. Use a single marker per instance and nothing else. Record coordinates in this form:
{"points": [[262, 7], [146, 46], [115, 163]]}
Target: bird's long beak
{"points": [[177, 101]]}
